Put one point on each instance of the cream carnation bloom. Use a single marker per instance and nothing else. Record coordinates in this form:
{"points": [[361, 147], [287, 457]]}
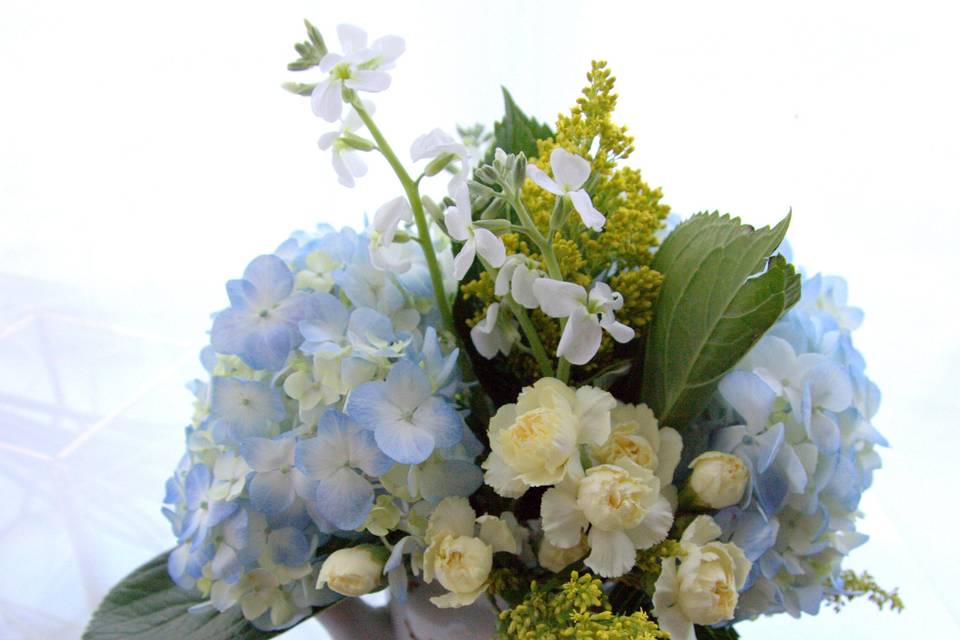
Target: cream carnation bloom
{"points": [[352, 572], [459, 556], [704, 588], [718, 479], [535, 442], [636, 442], [621, 511]]}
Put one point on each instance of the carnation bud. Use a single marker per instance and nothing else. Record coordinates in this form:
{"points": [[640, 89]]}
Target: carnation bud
{"points": [[718, 479], [355, 571]]}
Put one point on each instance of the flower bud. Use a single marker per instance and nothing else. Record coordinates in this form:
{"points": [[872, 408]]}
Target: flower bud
{"points": [[353, 572], [439, 163], [718, 479]]}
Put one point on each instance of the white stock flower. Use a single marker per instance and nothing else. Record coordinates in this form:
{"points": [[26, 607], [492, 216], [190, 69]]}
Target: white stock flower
{"points": [[437, 143], [383, 254], [347, 161], [623, 512], [704, 588], [569, 173], [535, 441], [459, 222], [359, 67], [587, 316], [353, 572], [516, 277], [718, 479], [492, 336]]}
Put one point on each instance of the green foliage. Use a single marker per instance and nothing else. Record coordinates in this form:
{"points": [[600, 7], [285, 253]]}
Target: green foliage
{"points": [[517, 132], [721, 633], [147, 605], [577, 609], [311, 50], [717, 300], [855, 586]]}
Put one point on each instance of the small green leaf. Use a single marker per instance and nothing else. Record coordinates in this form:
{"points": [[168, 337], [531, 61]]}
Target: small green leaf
{"points": [[717, 300], [517, 132], [314, 34], [147, 605], [300, 88]]}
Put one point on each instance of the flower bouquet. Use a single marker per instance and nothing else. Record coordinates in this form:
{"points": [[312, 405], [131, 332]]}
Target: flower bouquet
{"points": [[536, 389]]}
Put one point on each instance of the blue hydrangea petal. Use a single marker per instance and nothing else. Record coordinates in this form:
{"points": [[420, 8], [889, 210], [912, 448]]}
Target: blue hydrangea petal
{"points": [[345, 498], [437, 417], [369, 406], [267, 347], [230, 330], [241, 293], [404, 442], [236, 530], [271, 492], [321, 456], [407, 386], [450, 478], [365, 454], [749, 395], [245, 403], [272, 279], [219, 511], [263, 454], [768, 446], [289, 547], [225, 565], [196, 485]]}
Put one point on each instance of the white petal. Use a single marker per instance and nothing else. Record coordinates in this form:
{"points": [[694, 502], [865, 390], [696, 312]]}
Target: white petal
{"points": [[388, 49], [461, 264], [502, 478], [620, 332], [592, 218], [521, 287], [352, 39], [655, 525], [502, 285], [581, 337], [454, 516], [343, 171], [372, 81], [326, 100], [544, 181], [612, 553], [669, 615], [563, 522], [490, 247], [431, 145], [671, 445], [702, 530], [559, 299], [326, 140], [593, 409], [496, 533], [570, 171], [388, 216]]}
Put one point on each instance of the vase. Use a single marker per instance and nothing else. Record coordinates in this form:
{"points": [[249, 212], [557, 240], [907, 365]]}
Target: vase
{"points": [[414, 619]]}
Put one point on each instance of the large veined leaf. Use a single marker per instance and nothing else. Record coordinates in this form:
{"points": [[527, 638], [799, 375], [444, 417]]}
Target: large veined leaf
{"points": [[517, 132], [722, 290], [147, 605]]}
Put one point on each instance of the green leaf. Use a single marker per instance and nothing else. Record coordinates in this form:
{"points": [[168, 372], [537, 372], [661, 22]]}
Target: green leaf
{"points": [[517, 132], [719, 633], [712, 308], [147, 605], [300, 88]]}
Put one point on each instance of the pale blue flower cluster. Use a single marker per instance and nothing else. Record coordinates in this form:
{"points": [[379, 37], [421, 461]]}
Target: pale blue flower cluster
{"points": [[331, 397], [798, 411]]}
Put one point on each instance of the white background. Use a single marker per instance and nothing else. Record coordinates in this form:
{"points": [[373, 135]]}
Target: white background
{"points": [[147, 153]]}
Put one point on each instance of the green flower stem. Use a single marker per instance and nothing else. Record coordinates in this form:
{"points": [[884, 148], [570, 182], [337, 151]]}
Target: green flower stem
{"points": [[423, 230], [530, 331], [553, 268]]}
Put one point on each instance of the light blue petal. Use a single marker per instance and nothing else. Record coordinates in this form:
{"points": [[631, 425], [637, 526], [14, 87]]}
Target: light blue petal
{"points": [[823, 432], [768, 446], [271, 492], [225, 565], [365, 454], [263, 454], [437, 417], [325, 318], [750, 396], [230, 330], [749, 530], [241, 293], [771, 490], [404, 442], [218, 512], [369, 406], [289, 547], [319, 457], [272, 279], [407, 386], [450, 478], [196, 485], [345, 498], [236, 530], [267, 347]]}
